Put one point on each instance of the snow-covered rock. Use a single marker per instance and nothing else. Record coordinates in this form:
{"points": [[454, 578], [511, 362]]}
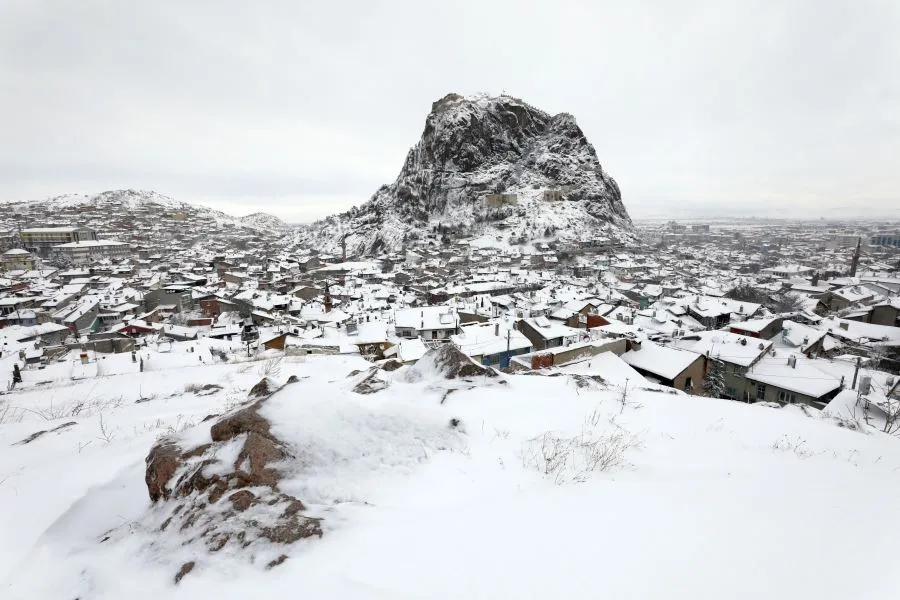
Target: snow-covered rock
{"points": [[552, 183]]}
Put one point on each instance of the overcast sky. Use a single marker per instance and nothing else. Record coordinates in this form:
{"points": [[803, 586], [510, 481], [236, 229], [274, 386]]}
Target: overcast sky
{"points": [[302, 109]]}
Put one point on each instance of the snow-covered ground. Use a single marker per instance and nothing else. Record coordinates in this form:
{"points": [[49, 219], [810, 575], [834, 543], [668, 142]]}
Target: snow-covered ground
{"points": [[697, 498]]}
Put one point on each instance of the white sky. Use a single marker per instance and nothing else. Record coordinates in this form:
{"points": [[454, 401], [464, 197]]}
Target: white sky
{"points": [[302, 109]]}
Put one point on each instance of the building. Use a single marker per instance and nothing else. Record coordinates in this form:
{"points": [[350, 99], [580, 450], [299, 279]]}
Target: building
{"points": [[673, 368], [788, 271], [790, 380], [489, 345], [545, 334], [737, 353], [552, 195], [427, 322], [17, 259], [40, 240], [886, 239], [87, 252], [497, 200]]}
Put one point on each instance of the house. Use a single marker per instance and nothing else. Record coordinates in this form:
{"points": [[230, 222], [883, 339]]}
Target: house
{"points": [[544, 333], [737, 353], [715, 313], [47, 333], [81, 316], [789, 379], [177, 297], [426, 322], [673, 368], [788, 271], [566, 355], [490, 344], [275, 343], [845, 297], [765, 328]]}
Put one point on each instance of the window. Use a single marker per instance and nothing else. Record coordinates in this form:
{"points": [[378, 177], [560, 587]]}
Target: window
{"points": [[786, 397], [760, 391], [688, 384], [731, 393]]}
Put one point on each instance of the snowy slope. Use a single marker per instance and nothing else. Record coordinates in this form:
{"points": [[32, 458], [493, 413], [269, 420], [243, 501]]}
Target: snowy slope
{"points": [[264, 221], [475, 146], [704, 499], [123, 201]]}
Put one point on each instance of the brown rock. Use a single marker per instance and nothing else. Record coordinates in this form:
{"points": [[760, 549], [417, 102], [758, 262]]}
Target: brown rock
{"points": [[242, 500], [162, 462], [294, 529], [184, 570], [275, 562], [258, 451], [265, 387], [246, 420]]}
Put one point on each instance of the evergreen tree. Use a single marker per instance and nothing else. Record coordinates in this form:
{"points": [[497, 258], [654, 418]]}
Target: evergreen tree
{"points": [[714, 386]]}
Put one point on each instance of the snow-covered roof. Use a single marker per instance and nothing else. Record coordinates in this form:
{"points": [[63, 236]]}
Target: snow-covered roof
{"points": [[92, 244], [668, 363], [727, 347], [550, 330], [480, 339], [426, 318], [800, 376]]}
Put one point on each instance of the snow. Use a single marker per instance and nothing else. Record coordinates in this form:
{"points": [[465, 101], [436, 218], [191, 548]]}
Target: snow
{"points": [[717, 499], [659, 360], [729, 347], [801, 376]]}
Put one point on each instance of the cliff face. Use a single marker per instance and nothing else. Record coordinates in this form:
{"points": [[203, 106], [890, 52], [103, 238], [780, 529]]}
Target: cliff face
{"points": [[472, 148]]}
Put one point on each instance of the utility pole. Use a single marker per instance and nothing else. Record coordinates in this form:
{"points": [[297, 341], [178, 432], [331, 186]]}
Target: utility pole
{"points": [[856, 372]]}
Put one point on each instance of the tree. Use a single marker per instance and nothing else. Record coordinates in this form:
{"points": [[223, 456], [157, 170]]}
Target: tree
{"points": [[786, 303], [60, 261], [714, 386], [746, 293]]}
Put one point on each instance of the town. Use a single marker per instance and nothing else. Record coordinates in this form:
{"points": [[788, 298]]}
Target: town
{"points": [[779, 312]]}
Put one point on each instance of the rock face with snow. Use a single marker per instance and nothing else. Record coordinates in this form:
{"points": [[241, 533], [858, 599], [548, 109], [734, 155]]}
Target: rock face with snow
{"points": [[446, 362], [485, 164], [225, 492]]}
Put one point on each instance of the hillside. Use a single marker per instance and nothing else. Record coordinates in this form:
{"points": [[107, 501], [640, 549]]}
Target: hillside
{"points": [[494, 167], [265, 221], [114, 204], [510, 487]]}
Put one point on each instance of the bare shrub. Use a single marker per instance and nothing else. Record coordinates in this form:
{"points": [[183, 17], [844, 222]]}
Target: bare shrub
{"points": [[271, 367], [795, 445], [572, 459], [10, 414]]}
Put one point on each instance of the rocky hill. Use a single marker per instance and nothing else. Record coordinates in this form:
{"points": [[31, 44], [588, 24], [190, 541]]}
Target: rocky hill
{"points": [[261, 220], [112, 206], [494, 168]]}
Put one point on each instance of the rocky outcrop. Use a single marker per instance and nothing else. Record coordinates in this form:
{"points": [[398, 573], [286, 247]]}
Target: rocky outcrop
{"points": [[473, 147], [447, 362], [226, 492]]}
